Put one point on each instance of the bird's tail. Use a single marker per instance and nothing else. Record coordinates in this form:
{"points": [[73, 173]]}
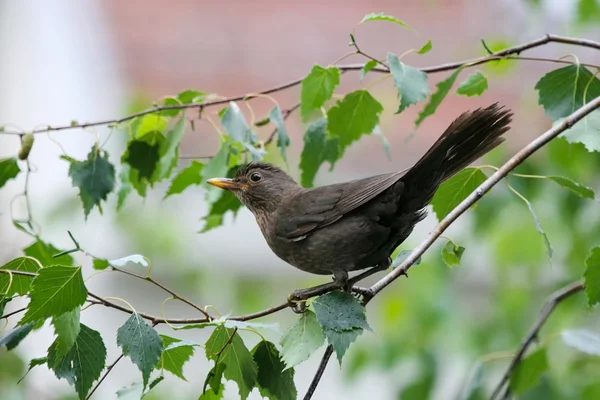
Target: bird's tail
{"points": [[469, 137]]}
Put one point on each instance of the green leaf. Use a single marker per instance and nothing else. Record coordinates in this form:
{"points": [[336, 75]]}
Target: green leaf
{"points": [[83, 364], [353, 116], [340, 311], [226, 346], [317, 88], [175, 355], [149, 124], [125, 188], [384, 17], [136, 391], [301, 340], [562, 91], [592, 276], [437, 98], [384, 140], [235, 124], [215, 168], [582, 340], [192, 175], [411, 82], [100, 264], [15, 337], [343, 319], [66, 327], [475, 85], [214, 380], [9, 169], [34, 362], [169, 150], [528, 372], [227, 202], [55, 291], [94, 177], [142, 157], [44, 252], [577, 188], [451, 254], [141, 343], [403, 255], [191, 96], [369, 65], [274, 381], [588, 11], [539, 228], [586, 132], [20, 284], [318, 148], [452, 192], [426, 48], [283, 138], [132, 259]]}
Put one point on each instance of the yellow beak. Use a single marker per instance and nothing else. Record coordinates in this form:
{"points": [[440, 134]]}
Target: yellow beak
{"points": [[223, 183]]}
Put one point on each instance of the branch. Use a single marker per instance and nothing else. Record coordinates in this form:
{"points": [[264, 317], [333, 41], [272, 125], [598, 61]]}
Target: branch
{"points": [[344, 68], [549, 306], [477, 194], [110, 367], [319, 373]]}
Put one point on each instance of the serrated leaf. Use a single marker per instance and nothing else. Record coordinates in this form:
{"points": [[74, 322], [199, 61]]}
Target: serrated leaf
{"points": [[586, 131], [340, 311], [451, 254], [301, 340], [283, 138], [192, 175], [191, 96], [403, 255], [100, 264], [235, 124], [214, 381], [452, 192], [44, 253], [141, 343], [273, 381], [142, 157], [539, 228], [426, 48], [56, 290], [9, 169], [169, 150], [561, 91], [317, 88], [149, 124], [384, 17], [411, 82], [15, 337], [239, 365], [94, 177], [227, 202], [582, 340], [341, 340], [474, 85], [528, 372], [576, 187], [592, 276], [443, 88], [318, 148], [66, 327], [34, 362], [84, 362], [175, 355], [353, 116], [216, 167], [132, 259], [369, 65], [20, 284]]}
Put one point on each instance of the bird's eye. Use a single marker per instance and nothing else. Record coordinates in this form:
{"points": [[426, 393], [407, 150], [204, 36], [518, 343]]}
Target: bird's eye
{"points": [[255, 177]]}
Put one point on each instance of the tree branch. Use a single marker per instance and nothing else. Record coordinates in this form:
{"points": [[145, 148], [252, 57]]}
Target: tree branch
{"points": [[548, 308], [549, 38], [110, 367], [477, 194], [319, 373]]}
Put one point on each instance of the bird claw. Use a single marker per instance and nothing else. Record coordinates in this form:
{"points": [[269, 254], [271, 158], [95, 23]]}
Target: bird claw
{"points": [[299, 307]]}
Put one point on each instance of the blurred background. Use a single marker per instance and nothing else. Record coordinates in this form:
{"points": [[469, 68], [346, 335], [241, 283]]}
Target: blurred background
{"points": [[67, 60]]}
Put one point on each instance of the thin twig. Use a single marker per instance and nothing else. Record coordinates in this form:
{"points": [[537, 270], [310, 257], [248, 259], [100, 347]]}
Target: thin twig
{"points": [[549, 306], [319, 373], [344, 68], [110, 367], [10, 314]]}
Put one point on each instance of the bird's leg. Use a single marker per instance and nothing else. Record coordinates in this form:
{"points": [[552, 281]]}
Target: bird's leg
{"points": [[369, 272], [340, 280]]}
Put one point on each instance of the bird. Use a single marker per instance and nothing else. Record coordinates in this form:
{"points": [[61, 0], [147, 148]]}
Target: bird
{"points": [[357, 225]]}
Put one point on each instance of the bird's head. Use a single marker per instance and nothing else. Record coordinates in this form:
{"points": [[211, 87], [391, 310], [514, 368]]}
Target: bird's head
{"points": [[260, 186]]}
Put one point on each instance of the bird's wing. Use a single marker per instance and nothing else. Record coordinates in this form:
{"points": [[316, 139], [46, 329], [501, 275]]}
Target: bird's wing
{"points": [[319, 207]]}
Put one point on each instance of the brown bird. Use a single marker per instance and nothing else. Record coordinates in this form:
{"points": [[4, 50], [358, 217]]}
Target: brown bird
{"points": [[356, 225]]}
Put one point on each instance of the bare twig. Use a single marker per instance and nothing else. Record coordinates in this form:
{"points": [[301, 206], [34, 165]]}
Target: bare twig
{"points": [[319, 373], [477, 194], [344, 68], [549, 306], [10, 314], [110, 367]]}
